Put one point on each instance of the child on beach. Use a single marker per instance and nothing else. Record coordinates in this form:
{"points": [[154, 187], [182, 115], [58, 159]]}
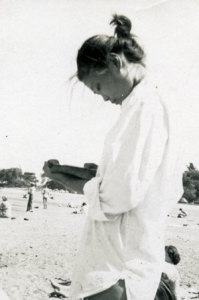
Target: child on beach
{"points": [[121, 254], [45, 198], [5, 208]]}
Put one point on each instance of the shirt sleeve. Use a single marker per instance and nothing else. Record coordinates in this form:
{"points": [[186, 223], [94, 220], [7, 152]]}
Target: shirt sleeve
{"points": [[137, 154]]}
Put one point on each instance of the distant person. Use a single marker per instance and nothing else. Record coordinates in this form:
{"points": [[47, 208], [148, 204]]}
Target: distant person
{"points": [[31, 192], [182, 213], [45, 198], [83, 208], [80, 210], [5, 208]]}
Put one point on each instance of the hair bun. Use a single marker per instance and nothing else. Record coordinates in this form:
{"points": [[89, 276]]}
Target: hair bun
{"points": [[123, 26]]}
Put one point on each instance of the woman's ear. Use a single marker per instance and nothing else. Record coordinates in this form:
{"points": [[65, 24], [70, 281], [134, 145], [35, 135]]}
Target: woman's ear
{"points": [[114, 62]]}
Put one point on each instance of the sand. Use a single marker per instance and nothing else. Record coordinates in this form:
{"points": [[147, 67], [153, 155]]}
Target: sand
{"points": [[43, 248]]}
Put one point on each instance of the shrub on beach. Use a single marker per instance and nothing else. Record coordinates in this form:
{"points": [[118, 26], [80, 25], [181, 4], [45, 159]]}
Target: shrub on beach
{"points": [[191, 184]]}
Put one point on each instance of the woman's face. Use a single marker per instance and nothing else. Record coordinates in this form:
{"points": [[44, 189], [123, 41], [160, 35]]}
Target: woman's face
{"points": [[112, 84]]}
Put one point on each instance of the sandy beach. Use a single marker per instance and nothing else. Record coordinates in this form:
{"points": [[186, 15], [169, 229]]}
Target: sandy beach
{"points": [[40, 246]]}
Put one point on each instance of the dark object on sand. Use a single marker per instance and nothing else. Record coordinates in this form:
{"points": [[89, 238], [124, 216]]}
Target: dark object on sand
{"points": [[172, 254], [26, 219], [3, 266], [165, 289], [66, 282], [57, 295]]}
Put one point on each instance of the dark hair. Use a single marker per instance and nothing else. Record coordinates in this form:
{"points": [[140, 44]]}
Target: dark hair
{"points": [[165, 289], [173, 254], [93, 53]]}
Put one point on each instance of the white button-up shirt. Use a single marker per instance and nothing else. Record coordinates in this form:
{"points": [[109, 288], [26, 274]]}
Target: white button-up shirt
{"points": [[137, 178]]}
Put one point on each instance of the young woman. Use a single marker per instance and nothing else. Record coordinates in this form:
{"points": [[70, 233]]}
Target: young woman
{"points": [[122, 248]]}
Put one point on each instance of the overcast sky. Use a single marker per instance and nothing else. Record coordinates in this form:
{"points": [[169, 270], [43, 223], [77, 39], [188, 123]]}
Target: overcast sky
{"points": [[44, 116]]}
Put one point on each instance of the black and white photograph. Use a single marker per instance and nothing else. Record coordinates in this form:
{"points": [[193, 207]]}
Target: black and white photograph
{"points": [[99, 149]]}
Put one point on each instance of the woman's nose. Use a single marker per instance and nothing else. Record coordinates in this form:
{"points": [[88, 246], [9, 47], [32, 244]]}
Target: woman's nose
{"points": [[105, 98]]}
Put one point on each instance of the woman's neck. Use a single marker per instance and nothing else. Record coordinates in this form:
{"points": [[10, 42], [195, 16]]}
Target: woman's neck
{"points": [[135, 76]]}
